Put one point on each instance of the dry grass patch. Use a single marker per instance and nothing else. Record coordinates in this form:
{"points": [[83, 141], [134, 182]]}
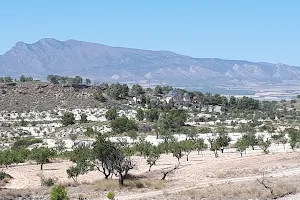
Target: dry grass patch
{"points": [[113, 184], [105, 185], [146, 183], [238, 191]]}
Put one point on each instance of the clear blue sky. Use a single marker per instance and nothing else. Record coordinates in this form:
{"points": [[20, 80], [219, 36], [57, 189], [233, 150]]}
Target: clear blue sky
{"points": [[255, 30]]}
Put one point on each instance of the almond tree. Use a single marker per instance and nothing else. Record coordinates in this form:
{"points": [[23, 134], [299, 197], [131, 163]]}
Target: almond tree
{"points": [[42, 155], [294, 136], [103, 156], [82, 157], [264, 144], [241, 145], [188, 146], [177, 149], [153, 156], [200, 145]]}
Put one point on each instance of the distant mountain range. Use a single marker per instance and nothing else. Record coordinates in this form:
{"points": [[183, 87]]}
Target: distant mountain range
{"points": [[103, 63]]}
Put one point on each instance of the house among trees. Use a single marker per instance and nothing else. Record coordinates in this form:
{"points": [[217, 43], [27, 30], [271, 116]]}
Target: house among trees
{"points": [[178, 97]]}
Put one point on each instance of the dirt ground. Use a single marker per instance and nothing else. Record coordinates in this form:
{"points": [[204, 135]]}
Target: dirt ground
{"points": [[199, 178]]}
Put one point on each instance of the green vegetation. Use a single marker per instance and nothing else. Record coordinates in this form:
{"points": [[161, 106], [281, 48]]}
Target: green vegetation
{"points": [[42, 155], [111, 195], [241, 145], [59, 192], [83, 118], [26, 142], [294, 138], [55, 79], [117, 91], [26, 79], [123, 124], [140, 115], [4, 175], [155, 116], [68, 118], [111, 114], [6, 79]]}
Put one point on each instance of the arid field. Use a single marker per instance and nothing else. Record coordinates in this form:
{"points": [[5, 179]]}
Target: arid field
{"points": [[202, 177]]}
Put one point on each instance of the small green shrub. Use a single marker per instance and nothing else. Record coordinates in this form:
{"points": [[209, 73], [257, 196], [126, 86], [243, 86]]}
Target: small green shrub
{"points": [[111, 195], [59, 192]]}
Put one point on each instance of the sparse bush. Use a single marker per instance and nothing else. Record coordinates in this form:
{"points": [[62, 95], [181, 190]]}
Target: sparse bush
{"points": [[140, 114], [99, 96], [111, 114], [23, 122], [4, 175], [83, 118], [48, 182]]}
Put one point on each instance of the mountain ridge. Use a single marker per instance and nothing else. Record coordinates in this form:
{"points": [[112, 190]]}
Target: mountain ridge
{"points": [[110, 64]]}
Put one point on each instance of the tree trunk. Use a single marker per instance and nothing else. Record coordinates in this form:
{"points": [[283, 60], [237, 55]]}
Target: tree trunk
{"points": [[241, 154], [121, 179], [41, 166], [187, 158], [216, 154], [222, 150], [150, 168]]}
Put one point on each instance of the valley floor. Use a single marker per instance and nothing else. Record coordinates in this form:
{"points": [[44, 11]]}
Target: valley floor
{"points": [[202, 177]]}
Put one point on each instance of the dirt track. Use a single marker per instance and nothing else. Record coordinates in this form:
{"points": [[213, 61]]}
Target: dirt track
{"points": [[290, 172]]}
